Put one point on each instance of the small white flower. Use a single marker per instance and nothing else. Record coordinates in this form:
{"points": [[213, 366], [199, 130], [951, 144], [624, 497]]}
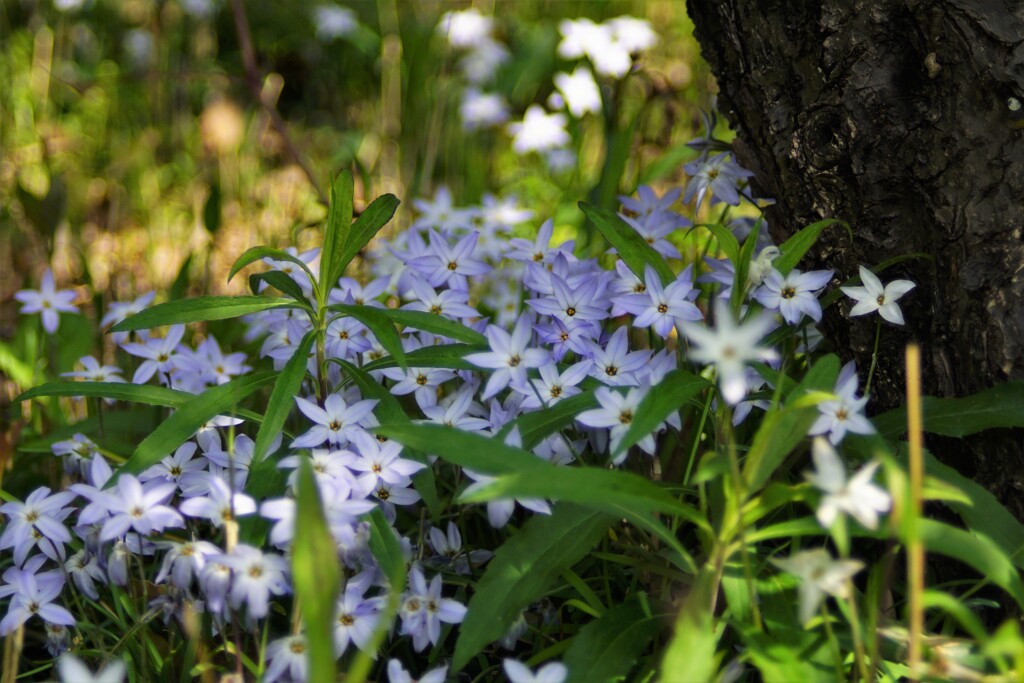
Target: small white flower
{"points": [[538, 131], [72, 670], [580, 91], [48, 301], [874, 297], [334, 22], [553, 672], [819, 575], [856, 496], [730, 346]]}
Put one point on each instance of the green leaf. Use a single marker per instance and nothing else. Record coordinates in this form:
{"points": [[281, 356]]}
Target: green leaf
{"points": [[336, 232], [796, 246], [199, 309], [534, 427], [691, 653], [743, 266], [975, 550], [1000, 406], [281, 282], [260, 253], [369, 223], [523, 569], [180, 285], [211, 210], [665, 398], [727, 241], [381, 326], [316, 575], [387, 549], [606, 649], [449, 356], [121, 391], [282, 398], [630, 246], [435, 324], [784, 427], [187, 419]]}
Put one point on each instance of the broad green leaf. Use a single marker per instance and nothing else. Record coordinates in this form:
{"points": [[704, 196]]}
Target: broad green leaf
{"points": [[121, 391], [187, 419], [527, 476], [199, 309], [259, 253], [479, 453], [449, 356], [727, 241], [523, 569], [281, 282], [630, 246], [379, 324], [316, 575], [1000, 406], [975, 550], [796, 246], [336, 232], [435, 324], [282, 398], [369, 223], [784, 427], [983, 513], [691, 653], [606, 649], [664, 398], [534, 427]]}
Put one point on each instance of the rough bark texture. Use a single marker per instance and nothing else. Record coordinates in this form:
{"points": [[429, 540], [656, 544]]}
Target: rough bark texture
{"points": [[899, 117]]}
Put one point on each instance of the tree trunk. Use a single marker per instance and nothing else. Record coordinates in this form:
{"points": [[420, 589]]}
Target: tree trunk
{"points": [[904, 118]]}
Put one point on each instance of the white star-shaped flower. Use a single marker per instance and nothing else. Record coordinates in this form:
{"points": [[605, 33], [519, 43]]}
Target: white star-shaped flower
{"points": [[873, 296]]}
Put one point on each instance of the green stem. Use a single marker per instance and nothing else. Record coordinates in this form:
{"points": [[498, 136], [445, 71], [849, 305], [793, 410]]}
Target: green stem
{"points": [[836, 651], [858, 641], [874, 357]]}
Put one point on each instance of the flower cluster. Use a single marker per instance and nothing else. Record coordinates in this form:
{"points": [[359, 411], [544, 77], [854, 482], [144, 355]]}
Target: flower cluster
{"points": [[556, 325]]}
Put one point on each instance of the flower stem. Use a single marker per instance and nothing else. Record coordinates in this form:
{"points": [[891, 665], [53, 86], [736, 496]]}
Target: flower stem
{"points": [[874, 357]]}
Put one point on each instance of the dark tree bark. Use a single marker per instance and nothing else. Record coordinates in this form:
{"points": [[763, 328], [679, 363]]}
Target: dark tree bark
{"points": [[904, 118]]}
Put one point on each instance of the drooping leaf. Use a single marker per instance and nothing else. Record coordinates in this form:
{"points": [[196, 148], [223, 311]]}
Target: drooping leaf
{"points": [[259, 253], [606, 649], [121, 391], [281, 282], [435, 324], [449, 356], [187, 419], [379, 324], [316, 575], [664, 398], [534, 427], [1000, 406], [282, 398], [975, 550], [786, 426], [631, 247], [336, 232], [180, 285], [199, 309], [369, 223], [796, 246], [523, 569]]}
